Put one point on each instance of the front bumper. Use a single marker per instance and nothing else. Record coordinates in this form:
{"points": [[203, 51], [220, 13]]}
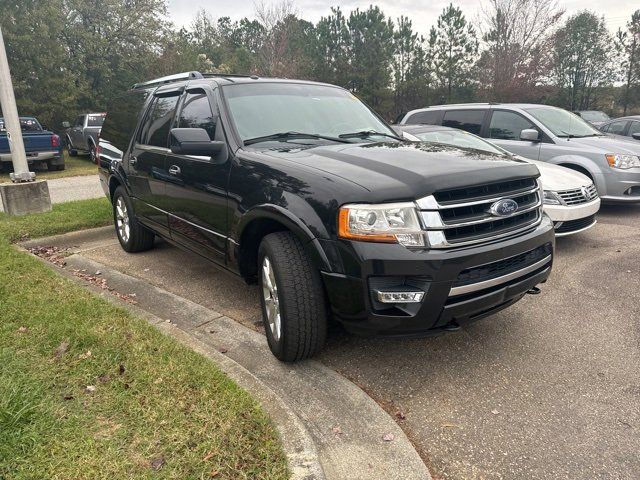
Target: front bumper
{"points": [[619, 186], [352, 293], [568, 220]]}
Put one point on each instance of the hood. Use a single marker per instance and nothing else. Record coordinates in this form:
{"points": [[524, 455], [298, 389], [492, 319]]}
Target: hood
{"points": [[407, 171], [557, 178], [605, 144]]}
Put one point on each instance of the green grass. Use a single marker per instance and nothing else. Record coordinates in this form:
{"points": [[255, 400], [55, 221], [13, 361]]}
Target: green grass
{"points": [[64, 217], [80, 165], [158, 410]]}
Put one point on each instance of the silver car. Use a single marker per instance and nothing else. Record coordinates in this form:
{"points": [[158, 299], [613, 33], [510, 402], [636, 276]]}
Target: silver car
{"points": [[625, 128], [549, 134]]}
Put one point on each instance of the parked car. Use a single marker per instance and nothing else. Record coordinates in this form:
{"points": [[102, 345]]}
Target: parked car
{"points": [[570, 198], [330, 217], [548, 134], [594, 117], [83, 135], [41, 145], [624, 128]]}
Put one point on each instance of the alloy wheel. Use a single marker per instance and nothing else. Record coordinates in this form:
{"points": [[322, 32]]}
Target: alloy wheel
{"points": [[271, 301], [122, 220]]}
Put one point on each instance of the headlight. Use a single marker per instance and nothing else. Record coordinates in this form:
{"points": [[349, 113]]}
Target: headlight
{"points": [[551, 198], [387, 223], [623, 161]]}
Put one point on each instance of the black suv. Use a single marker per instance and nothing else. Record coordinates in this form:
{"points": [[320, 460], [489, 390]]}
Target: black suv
{"points": [[301, 187]]}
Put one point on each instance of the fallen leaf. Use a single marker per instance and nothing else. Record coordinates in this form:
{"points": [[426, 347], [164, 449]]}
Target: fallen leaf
{"points": [[84, 356], [146, 269], [104, 378], [388, 437], [222, 350], [337, 430], [495, 412], [214, 473], [90, 389], [62, 349], [400, 415], [157, 463], [67, 396], [98, 272], [208, 456], [23, 330], [121, 369]]}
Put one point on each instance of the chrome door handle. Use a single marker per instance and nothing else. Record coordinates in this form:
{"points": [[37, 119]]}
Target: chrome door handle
{"points": [[133, 161], [174, 170]]}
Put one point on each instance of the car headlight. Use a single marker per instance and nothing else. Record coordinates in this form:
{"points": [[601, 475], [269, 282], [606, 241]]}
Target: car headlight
{"points": [[387, 223], [551, 198], [623, 161]]}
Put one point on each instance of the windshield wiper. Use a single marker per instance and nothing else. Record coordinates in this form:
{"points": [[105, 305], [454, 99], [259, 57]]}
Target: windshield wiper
{"points": [[369, 133], [291, 136]]}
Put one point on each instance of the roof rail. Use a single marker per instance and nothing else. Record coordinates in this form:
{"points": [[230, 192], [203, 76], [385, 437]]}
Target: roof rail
{"points": [[169, 79], [463, 104]]}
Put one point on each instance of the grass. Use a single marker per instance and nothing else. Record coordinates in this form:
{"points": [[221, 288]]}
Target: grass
{"points": [[80, 165], [157, 409]]}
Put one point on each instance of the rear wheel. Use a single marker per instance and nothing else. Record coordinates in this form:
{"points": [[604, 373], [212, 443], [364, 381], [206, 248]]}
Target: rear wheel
{"points": [[53, 168], [132, 235], [293, 302], [92, 153], [72, 151]]}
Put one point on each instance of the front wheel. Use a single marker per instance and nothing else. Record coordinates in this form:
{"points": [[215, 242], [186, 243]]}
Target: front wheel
{"points": [[293, 303], [132, 235]]}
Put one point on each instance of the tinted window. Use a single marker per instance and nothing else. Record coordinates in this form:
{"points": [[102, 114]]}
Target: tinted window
{"points": [[469, 120], [196, 113], [158, 123], [26, 125], [507, 125], [122, 118], [617, 128], [635, 128], [95, 120], [430, 117]]}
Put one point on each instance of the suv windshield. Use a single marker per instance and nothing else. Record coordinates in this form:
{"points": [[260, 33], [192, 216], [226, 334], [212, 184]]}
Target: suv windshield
{"points": [[459, 138], [562, 123], [264, 109]]}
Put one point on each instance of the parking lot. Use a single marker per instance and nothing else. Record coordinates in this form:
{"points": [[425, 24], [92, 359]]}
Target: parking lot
{"points": [[549, 388]]}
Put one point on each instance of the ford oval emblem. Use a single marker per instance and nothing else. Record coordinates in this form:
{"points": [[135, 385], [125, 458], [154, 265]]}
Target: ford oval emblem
{"points": [[504, 207]]}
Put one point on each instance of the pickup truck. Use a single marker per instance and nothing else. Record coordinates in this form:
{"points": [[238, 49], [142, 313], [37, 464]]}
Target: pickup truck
{"points": [[83, 135], [41, 145], [300, 187]]}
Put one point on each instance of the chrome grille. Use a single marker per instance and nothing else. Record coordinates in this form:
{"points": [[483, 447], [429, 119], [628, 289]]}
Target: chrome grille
{"points": [[460, 217], [577, 196]]}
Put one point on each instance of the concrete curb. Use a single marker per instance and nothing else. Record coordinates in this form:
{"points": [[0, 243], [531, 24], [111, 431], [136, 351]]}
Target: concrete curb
{"points": [[330, 428]]}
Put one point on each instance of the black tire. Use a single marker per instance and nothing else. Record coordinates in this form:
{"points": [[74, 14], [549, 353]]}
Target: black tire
{"points": [[54, 168], [139, 238], [72, 151], [92, 153], [301, 299]]}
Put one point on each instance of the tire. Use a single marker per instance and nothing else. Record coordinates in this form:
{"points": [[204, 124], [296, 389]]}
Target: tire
{"points": [[132, 235], [299, 298], [72, 151], [92, 153], [54, 168]]}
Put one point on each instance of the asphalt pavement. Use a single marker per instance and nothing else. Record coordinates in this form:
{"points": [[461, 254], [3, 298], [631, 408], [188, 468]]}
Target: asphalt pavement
{"points": [[548, 388], [67, 189]]}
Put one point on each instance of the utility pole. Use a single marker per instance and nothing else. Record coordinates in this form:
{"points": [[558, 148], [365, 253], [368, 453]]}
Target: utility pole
{"points": [[25, 195]]}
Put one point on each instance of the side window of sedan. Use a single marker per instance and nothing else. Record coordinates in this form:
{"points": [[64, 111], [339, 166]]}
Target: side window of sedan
{"points": [[508, 125], [617, 128], [196, 113]]}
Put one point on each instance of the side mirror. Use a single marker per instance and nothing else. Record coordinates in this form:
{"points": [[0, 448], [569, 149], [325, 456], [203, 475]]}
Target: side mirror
{"points": [[66, 125], [635, 136], [529, 135], [193, 141]]}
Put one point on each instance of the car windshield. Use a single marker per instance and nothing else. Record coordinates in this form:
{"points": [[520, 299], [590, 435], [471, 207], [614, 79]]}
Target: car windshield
{"points": [[26, 125], [95, 120], [563, 123], [264, 109], [594, 116], [459, 138]]}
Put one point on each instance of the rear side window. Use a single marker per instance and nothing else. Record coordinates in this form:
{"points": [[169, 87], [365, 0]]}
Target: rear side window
{"points": [[95, 120], [469, 120], [617, 128], [196, 113], [158, 123], [122, 118], [635, 128], [429, 117], [507, 125]]}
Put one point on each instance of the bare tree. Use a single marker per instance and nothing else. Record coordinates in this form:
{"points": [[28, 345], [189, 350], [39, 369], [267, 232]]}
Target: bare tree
{"points": [[517, 36], [278, 22]]}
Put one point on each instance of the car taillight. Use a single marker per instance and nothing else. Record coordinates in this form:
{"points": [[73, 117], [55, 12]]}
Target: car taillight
{"points": [[55, 141]]}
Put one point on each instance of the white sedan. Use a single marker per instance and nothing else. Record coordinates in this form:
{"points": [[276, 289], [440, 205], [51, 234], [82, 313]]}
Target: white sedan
{"points": [[570, 198]]}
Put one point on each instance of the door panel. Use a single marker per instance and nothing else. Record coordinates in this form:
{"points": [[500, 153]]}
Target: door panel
{"points": [[148, 173], [504, 130], [196, 195]]}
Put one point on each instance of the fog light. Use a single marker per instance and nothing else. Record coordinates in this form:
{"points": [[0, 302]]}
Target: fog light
{"points": [[399, 297]]}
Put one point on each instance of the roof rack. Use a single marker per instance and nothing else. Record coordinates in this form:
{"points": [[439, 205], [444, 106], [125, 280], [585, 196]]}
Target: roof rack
{"points": [[463, 104], [169, 79]]}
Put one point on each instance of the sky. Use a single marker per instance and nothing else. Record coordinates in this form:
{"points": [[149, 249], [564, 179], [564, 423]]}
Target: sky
{"points": [[423, 13]]}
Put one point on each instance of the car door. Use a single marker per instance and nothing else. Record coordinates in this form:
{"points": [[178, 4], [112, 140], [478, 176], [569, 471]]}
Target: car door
{"points": [[197, 187], [147, 170], [76, 132], [618, 129], [504, 129], [634, 128]]}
